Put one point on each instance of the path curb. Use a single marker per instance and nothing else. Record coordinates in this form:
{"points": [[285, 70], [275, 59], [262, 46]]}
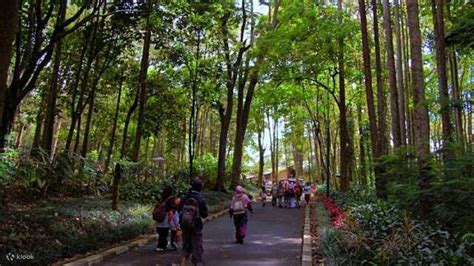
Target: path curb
{"points": [[306, 253], [97, 257]]}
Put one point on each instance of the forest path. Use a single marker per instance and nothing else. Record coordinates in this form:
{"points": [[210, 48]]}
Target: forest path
{"points": [[274, 238]]}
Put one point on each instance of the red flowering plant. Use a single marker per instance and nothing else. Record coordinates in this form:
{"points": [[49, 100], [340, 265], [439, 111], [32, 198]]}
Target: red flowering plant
{"points": [[337, 215]]}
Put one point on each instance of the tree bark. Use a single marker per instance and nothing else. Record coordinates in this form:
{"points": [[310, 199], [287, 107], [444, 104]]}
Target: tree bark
{"points": [[437, 7], [90, 112], [39, 125], [114, 126], [116, 187], [48, 129], [241, 128], [344, 154], [362, 166], [77, 77], [399, 72], [261, 153], [408, 84], [243, 112], [382, 142], [458, 103], [8, 25], [374, 131], [392, 78], [272, 149], [225, 115], [422, 131], [124, 149], [142, 83]]}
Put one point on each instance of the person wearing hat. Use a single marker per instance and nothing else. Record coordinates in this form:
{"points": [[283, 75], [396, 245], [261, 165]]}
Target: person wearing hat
{"points": [[192, 234], [240, 205]]}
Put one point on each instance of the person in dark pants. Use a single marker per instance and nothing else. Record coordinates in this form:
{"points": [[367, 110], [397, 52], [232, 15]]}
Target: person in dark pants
{"points": [[163, 227], [238, 209], [193, 205]]}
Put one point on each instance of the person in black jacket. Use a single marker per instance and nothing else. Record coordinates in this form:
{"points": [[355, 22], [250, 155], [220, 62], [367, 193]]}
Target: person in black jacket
{"points": [[192, 235]]}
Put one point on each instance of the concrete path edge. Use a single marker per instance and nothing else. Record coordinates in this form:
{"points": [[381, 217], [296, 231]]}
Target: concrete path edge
{"points": [[98, 256], [306, 253]]}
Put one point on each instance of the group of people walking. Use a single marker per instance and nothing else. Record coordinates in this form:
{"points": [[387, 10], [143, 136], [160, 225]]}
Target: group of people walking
{"points": [[183, 218], [287, 193]]}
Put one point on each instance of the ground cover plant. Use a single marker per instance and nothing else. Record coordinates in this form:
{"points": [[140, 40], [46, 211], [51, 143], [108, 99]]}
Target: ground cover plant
{"points": [[374, 231]]}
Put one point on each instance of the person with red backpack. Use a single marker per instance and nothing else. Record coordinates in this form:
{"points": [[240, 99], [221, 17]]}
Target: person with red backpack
{"points": [[160, 215], [238, 209], [193, 210], [298, 193]]}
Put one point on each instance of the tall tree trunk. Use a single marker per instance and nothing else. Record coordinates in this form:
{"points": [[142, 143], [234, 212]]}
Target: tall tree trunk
{"points": [[328, 146], [142, 83], [221, 161], [362, 166], [458, 103], [261, 158], [374, 132], [245, 102], [21, 129], [39, 125], [272, 149], [8, 25], [399, 72], [48, 129], [437, 7], [114, 126], [392, 78], [469, 124], [344, 154], [421, 121], [78, 134], [407, 76], [311, 165], [85, 140], [241, 128], [382, 142], [277, 147], [75, 85], [225, 114], [133, 107], [57, 127]]}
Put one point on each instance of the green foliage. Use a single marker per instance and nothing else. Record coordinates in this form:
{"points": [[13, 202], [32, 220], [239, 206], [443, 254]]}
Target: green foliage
{"points": [[451, 188], [206, 166], [61, 229], [378, 232], [150, 191]]}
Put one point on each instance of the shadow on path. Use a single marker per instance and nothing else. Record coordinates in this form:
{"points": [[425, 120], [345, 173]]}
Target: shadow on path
{"points": [[274, 238]]}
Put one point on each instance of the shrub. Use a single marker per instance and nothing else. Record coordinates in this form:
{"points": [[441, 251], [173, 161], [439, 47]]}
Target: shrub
{"points": [[392, 237], [55, 230], [150, 191]]}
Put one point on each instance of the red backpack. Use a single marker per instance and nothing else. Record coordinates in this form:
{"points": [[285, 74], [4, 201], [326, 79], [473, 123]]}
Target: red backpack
{"points": [[159, 212]]}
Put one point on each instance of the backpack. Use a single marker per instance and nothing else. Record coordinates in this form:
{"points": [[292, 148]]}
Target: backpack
{"points": [[298, 190], [292, 188], [239, 207], [190, 213], [159, 212]]}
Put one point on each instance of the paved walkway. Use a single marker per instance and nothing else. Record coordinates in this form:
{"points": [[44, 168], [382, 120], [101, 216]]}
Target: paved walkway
{"points": [[274, 238]]}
